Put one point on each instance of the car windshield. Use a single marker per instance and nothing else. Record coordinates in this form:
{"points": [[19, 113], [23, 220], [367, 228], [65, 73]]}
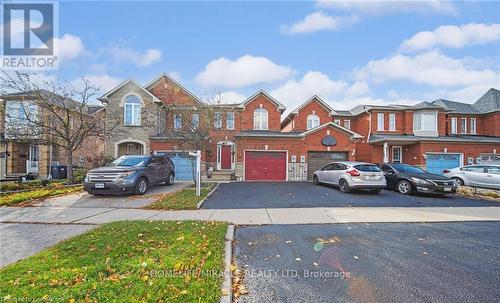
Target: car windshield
{"points": [[408, 169], [367, 168], [130, 161]]}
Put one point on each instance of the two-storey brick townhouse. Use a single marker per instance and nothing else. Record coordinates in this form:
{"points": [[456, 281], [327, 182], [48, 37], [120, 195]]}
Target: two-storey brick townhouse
{"points": [[251, 141], [20, 157]]}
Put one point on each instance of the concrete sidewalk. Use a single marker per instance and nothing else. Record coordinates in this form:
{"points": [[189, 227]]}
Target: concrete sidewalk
{"points": [[76, 215]]}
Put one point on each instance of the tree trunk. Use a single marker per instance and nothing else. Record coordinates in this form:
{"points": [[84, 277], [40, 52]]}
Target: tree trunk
{"points": [[69, 165]]}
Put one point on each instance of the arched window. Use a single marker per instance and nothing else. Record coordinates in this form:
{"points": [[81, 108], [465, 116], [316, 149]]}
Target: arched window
{"points": [[312, 121], [260, 119], [132, 110]]}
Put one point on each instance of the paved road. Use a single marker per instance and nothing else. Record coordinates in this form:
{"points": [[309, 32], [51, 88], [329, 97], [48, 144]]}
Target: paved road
{"points": [[84, 200], [438, 262], [304, 194], [19, 241]]}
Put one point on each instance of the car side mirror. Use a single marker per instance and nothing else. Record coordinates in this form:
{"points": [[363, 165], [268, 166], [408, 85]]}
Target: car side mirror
{"points": [[389, 172]]}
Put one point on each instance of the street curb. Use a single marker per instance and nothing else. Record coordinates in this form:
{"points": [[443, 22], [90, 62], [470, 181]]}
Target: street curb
{"points": [[200, 204], [227, 292]]}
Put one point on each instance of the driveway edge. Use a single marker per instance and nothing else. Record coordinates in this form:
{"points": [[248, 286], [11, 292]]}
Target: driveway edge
{"points": [[227, 291], [200, 204]]}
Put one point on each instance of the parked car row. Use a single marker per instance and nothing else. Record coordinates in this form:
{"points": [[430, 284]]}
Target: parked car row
{"points": [[404, 178], [130, 174]]}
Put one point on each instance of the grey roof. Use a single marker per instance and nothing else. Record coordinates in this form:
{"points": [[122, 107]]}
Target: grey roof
{"points": [[460, 138], [456, 107], [427, 105], [489, 102], [343, 113], [94, 108], [267, 133]]}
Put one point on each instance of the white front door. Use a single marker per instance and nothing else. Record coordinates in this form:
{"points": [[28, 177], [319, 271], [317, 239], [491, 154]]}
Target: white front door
{"points": [[397, 154]]}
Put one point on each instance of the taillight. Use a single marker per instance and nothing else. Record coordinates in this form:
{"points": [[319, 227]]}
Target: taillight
{"points": [[445, 171], [353, 172]]}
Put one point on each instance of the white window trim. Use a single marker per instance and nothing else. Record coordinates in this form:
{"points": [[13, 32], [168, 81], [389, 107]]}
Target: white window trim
{"points": [[175, 116], [380, 122], [473, 130], [337, 121], [421, 126], [400, 153], [217, 120], [454, 125], [123, 103], [227, 120], [261, 113], [192, 121], [347, 124], [312, 117], [392, 122], [463, 130]]}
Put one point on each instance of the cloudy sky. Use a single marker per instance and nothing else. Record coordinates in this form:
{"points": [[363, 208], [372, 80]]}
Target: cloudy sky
{"points": [[346, 52]]}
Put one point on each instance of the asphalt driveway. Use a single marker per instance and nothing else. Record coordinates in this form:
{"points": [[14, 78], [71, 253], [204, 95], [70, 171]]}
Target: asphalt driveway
{"points": [[305, 194], [440, 262]]}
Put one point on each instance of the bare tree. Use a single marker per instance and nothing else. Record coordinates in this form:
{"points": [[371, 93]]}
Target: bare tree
{"points": [[51, 112]]}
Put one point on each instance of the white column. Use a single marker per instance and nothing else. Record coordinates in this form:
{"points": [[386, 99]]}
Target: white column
{"points": [[386, 152]]}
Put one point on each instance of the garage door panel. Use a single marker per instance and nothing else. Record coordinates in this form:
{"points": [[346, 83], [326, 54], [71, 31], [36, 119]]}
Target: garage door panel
{"points": [[183, 164], [436, 163], [316, 160], [265, 166]]}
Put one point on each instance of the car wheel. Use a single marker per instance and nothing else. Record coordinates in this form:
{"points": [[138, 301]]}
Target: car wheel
{"points": [[404, 187], [458, 181], [315, 179], [344, 186], [170, 179], [376, 190], [141, 187]]}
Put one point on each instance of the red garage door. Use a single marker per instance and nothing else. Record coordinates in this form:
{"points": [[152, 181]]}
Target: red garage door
{"points": [[265, 166]]}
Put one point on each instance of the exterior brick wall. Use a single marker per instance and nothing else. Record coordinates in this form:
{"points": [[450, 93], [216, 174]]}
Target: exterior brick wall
{"points": [[300, 120], [490, 124], [274, 115]]}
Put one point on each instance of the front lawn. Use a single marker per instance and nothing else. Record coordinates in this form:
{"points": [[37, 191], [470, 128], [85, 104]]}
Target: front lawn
{"points": [[37, 193], [183, 199], [134, 261]]}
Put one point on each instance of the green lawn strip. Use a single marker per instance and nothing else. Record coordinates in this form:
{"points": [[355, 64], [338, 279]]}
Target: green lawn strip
{"points": [[124, 262], [37, 193], [183, 199]]}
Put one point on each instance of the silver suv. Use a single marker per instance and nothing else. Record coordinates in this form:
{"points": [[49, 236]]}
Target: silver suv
{"points": [[487, 175], [130, 174], [348, 175]]}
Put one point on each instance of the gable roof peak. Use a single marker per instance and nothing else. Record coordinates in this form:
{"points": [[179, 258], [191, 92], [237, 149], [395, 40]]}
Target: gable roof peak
{"points": [[104, 98], [318, 99], [171, 79], [280, 106]]}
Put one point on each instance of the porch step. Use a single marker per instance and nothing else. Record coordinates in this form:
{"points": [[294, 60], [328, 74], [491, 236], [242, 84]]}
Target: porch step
{"points": [[222, 175]]}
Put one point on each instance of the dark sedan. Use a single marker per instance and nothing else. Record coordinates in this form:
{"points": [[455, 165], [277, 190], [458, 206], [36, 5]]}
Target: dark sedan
{"points": [[408, 179]]}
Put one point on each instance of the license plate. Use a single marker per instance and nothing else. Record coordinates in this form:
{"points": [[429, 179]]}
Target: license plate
{"points": [[447, 189], [99, 185]]}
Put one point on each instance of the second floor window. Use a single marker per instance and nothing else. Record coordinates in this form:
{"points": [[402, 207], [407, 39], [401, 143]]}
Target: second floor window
{"points": [[336, 121], [454, 125], [177, 121], [195, 121], [132, 110], [230, 120], [260, 119], [347, 124], [463, 125], [380, 121], [425, 122], [217, 120], [392, 122], [312, 121], [473, 129]]}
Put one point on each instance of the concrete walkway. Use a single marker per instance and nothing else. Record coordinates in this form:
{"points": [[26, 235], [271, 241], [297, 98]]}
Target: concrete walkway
{"points": [[87, 215]]}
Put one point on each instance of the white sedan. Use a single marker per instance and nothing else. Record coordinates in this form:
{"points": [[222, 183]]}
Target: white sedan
{"points": [[348, 175], [485, 175]]}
